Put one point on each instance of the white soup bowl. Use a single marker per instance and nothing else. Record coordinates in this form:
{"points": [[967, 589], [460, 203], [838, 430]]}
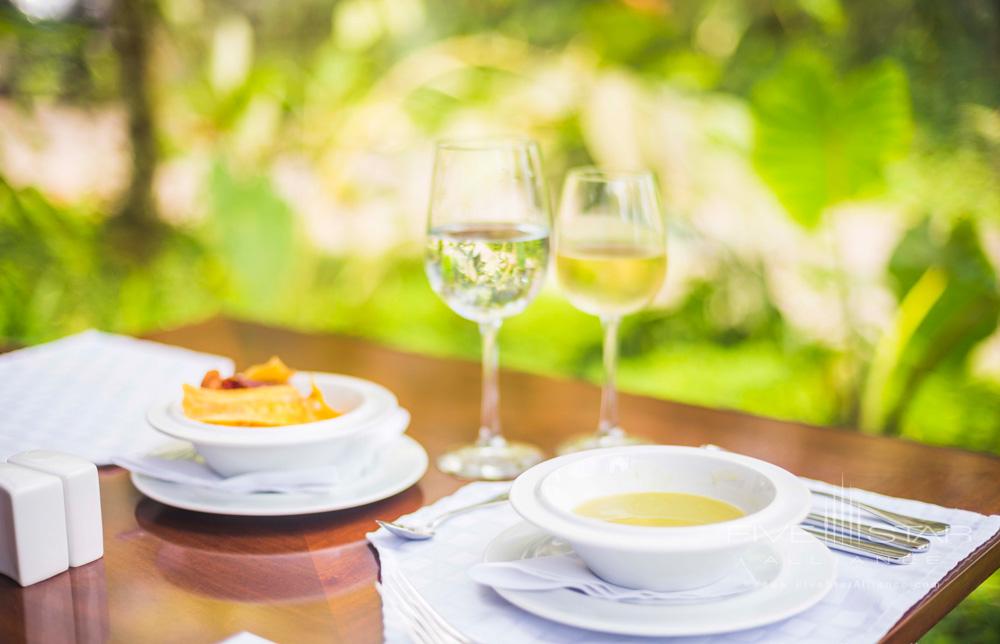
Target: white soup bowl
{"points": [[660, 558]]}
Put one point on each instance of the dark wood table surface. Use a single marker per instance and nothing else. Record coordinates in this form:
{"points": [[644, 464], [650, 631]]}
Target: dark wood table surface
{"points": [[176, 576]]}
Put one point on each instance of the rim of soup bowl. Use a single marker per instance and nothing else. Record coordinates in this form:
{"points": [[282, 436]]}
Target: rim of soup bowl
{"points": [[786, 509], [376, 401]]}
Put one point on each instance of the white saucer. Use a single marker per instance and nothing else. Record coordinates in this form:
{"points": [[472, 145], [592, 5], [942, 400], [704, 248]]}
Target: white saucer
{"points": [[797, 571], [400, 465]]}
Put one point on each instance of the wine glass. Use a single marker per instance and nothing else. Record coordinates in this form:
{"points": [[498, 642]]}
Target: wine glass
{"points": [[486, 257], [611, 260]]}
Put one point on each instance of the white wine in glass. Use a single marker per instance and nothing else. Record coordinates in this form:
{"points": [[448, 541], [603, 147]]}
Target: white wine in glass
{"points": [[486, 257], [610, 279], [611, 260], [487, 272]]}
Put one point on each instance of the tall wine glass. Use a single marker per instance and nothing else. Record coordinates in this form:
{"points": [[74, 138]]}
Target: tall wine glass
{"points": [[611, 260], [487, 253]]}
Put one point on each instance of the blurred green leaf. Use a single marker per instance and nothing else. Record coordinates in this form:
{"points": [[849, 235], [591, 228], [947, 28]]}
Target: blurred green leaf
{"points": [[254, 234], [951, 409], [950, 302], [880, 395], [46, 260], [59, 274], [623, 35], [969, 308], [822, 139]]}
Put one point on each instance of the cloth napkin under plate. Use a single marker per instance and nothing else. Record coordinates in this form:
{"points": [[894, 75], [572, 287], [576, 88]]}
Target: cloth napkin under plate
{"points": [[245, 637], [184, 467], [189, 471], [866, 601], [569, 571]]}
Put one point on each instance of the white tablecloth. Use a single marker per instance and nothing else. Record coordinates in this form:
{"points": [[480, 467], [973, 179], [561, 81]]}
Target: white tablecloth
{"points": [[87, 394], [868, 597]]}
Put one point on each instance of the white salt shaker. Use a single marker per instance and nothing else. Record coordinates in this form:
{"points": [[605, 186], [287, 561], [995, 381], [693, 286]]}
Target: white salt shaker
{"points": [[32, 525], [82, 496]]}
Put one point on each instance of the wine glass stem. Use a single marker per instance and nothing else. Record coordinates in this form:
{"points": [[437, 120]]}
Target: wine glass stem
{"points": [[489, 426], [608, 424]]}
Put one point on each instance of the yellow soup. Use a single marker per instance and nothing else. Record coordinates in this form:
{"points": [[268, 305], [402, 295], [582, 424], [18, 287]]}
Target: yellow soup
{"points": [[662, 509]]}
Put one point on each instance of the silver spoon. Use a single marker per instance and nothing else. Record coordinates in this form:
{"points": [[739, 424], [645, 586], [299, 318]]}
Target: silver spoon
{"points": [[426, 531]]}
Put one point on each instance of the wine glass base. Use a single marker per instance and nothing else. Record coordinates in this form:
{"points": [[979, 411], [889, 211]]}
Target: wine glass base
{"points": [[597, 441], [490, 462]]}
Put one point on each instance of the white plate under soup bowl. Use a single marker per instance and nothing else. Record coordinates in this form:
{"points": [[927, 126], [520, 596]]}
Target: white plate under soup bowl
{"points": [[660, 558], [369, 419]]}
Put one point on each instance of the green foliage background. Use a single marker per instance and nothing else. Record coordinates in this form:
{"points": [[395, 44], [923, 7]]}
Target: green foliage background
{"points": [[809, 108]]}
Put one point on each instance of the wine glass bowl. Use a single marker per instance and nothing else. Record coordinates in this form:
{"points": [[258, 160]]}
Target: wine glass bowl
{"points": [[486, 256], [486, 272], [611, 260]]}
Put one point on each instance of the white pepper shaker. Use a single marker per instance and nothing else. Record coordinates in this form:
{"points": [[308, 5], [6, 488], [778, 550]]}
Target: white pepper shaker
{"points": [[82, 495], [32, 525]]}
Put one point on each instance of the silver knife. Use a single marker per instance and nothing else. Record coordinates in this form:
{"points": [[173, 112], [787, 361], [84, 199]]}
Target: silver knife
{"points": [[911, 542], [878, 551]]}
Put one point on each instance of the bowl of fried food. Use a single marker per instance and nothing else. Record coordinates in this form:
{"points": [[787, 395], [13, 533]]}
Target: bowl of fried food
{"points": [[270, 418]]}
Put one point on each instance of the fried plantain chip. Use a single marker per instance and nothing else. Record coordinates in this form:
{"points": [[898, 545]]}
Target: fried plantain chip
{"points": [[258, 397], [254, 407], [274, 370], [316, 407]]}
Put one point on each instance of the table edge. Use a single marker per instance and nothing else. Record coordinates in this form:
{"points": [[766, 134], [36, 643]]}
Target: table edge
{"points": [[932, 607]]}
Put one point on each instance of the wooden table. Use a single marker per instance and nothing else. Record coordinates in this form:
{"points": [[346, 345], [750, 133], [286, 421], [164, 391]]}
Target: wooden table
{"points": [[176, 576]]}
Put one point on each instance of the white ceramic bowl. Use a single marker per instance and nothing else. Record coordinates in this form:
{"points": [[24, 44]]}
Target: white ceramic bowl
{"points": [[370, 418], [660, 558]]}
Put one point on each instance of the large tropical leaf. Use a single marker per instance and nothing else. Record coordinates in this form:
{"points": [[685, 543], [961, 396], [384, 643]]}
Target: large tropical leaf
{"points": [[968, 310], [822, 139], [950, 301]]}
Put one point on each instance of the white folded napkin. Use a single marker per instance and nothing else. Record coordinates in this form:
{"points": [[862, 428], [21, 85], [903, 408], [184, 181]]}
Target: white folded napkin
{"points": [[187, 469], [194, 472], [569, 571], [245, 637]]}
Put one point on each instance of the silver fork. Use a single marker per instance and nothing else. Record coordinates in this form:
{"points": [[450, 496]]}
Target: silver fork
{"points": [[901, 521], [421, 612]]}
